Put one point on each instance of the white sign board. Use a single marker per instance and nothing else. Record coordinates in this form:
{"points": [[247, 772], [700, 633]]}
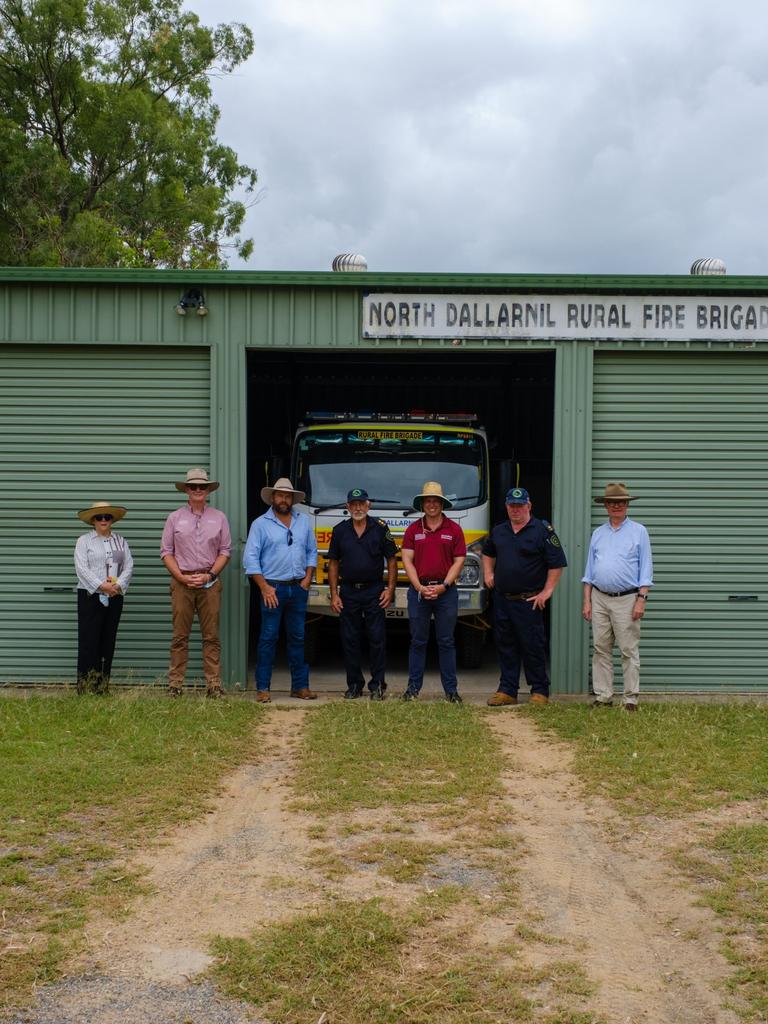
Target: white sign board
{"points": [[663, 317]]}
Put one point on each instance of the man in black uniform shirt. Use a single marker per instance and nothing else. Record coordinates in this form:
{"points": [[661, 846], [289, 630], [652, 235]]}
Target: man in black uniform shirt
{"points": [[359, 546], [522, 562]]}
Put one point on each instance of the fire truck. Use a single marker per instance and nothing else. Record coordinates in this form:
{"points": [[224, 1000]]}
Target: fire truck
{"points": [[391, 456]]}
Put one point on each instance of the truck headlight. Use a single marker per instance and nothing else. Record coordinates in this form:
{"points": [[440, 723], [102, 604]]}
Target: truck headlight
{"points": [[470, 573]]}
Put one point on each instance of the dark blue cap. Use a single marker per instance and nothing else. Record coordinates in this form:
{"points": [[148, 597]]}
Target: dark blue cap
{"points": [[517, 496], [357, 494]]}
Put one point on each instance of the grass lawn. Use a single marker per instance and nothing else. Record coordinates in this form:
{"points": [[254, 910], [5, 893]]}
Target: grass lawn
{"points": [[83, 780], [404, 789], [677, 759]]}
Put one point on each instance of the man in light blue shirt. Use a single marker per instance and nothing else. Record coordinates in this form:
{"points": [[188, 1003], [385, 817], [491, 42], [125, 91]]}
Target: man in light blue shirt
{"points": [[617, 578], [280, 555]]}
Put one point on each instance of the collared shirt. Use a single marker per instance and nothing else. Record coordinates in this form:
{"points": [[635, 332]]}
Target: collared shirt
{"points": [[434, 550], [268, 552], [361, 557], [619, 559], [92, 552], [196, 539], [523, 559]]}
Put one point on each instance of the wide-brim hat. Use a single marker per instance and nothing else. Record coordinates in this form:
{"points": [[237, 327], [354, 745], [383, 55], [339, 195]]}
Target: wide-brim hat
{"points": [[615, 492], [102, 508], [283, 484], [197, 476], [432, 489]]}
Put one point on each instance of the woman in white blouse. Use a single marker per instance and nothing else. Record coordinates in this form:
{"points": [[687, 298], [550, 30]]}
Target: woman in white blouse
{"points": [[104, 567]]}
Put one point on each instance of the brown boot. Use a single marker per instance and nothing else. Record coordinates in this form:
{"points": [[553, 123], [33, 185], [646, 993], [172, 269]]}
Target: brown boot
{"points": [[304, 694], [539, 698], [262, 696], [498, 699]]}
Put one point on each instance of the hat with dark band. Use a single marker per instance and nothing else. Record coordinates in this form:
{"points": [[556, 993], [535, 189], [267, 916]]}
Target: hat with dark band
{"points": [[102, 508], [616, 492]]}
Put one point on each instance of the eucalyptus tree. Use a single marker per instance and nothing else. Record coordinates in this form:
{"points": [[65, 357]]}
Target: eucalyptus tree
{"points": [[108, 151]]}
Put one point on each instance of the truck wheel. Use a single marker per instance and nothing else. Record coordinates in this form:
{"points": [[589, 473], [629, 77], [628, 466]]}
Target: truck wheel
{"points": [[470, 645], [313, 641]]}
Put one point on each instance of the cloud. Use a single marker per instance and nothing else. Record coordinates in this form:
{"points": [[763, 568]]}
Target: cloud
{"points": [[581, 137]]}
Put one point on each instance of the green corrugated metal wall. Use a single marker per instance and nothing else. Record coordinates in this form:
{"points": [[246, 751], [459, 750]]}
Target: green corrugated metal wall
{"points": [[689, 435], [82, 423]]}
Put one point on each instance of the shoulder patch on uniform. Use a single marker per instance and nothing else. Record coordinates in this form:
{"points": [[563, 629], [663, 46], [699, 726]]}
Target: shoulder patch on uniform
{"points": [[554, 540], [382, 522], [549, 526]]}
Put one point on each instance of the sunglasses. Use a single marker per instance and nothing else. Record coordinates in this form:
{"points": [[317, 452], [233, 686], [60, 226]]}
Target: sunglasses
{"points": [[197, 487], [103, 519], [289, 538]]}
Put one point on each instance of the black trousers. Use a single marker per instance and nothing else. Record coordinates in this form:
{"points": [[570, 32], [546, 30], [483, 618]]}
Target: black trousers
{"points": [[96, 634], [362, 615]]}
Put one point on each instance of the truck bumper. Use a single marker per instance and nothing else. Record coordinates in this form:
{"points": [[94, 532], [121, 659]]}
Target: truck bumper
{"points": [[472, 601]]}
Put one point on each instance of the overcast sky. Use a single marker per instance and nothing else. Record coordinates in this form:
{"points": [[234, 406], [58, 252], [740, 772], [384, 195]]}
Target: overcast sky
{"points": [[517, 136]]}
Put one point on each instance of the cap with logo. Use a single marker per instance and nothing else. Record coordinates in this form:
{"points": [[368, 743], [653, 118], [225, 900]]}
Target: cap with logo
{"points": [[517, 496], [357, 494]]}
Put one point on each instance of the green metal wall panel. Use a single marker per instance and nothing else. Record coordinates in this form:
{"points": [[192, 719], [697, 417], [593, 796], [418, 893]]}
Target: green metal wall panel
{"points": [[80, 423], [689, 435], [570, 503]]}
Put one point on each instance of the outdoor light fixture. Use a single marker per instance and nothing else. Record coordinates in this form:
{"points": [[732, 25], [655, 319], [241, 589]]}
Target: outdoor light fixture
{"points": [[192, 299]]}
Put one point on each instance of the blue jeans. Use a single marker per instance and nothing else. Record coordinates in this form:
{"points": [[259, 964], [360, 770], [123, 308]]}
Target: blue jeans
{"points": [[291, 603], [445, 610]]}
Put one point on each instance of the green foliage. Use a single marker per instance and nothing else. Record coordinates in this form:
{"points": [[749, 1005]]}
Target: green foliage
{"points": [[668, 758], [83, 780], [107, 149]]}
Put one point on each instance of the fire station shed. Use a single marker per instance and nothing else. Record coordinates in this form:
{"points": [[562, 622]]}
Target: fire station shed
{"points": [[114, 383]]}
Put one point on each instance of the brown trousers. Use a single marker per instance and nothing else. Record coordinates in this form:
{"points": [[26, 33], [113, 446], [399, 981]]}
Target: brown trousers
{"points": [[185, 601]]}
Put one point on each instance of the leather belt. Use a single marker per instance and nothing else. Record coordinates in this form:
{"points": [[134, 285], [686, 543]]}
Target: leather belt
{"points": [[520, 597], [274, 583], [430, 583], [616, 593], [193, 572], [361, 586]]}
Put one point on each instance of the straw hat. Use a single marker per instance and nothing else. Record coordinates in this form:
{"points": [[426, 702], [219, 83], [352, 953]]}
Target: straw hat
{"points": [[103, 508], [615, 492], [197, 476], [432, 489], [283, 484]]}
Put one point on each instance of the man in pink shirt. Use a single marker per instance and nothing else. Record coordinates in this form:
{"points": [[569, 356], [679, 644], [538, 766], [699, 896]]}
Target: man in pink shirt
{"points": [[196, 546]]}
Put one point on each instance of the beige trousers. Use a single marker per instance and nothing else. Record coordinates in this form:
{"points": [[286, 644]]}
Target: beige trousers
{"points": [[185, 601], [613, 626]]}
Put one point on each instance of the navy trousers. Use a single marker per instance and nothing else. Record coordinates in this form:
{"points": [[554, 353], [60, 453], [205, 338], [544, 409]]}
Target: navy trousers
{"points": [[363, 616], [521, 642]]}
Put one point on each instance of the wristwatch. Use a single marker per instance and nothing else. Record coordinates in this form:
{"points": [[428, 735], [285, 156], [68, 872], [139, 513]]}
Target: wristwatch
{"points": [[214, 575], [642, 597], [448, 585]]}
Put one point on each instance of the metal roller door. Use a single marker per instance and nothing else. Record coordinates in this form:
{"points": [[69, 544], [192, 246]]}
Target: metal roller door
{"points": [[689, 435], [84, 423]]}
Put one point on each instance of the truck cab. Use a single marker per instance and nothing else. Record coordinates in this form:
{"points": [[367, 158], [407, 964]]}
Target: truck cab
{"points": [[391, 456]]}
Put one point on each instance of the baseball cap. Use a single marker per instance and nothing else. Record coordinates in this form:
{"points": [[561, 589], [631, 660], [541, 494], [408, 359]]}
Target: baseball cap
{"points": [[357, 494], [517, 496]]}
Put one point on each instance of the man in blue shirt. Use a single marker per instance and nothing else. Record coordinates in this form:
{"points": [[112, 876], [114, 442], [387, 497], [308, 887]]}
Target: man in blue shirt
{"points": [[280, 555], [617, 579]]}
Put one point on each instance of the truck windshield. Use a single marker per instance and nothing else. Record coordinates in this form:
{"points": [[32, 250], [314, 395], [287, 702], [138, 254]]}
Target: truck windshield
{"points": [[392, 465]]}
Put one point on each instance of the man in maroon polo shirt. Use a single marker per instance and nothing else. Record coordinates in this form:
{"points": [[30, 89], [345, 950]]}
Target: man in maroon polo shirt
{"points": [[434, 550]]}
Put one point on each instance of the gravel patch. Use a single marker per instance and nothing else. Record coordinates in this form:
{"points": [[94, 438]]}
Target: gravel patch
{"points": [[105, 999]]}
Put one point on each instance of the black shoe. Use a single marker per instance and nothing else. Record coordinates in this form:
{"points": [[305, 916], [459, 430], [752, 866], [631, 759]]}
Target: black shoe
{"points": [[454, 698], [353, 694], [409, 695], [377, 693], [602, 703], [174, 691]]}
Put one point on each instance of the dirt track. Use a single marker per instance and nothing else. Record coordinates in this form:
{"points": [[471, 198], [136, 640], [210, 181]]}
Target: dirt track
{"points": [[599, 886]]}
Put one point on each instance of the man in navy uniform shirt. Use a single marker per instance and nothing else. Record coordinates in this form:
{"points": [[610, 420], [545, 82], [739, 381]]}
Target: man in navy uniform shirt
{"points": [[523, 561], [359, 547]]}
